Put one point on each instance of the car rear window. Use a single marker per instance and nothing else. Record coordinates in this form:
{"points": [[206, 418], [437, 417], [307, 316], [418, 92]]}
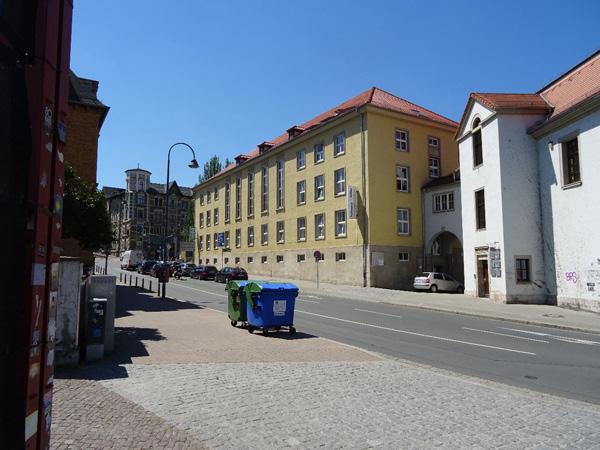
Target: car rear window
{"points": [[425, 274]]}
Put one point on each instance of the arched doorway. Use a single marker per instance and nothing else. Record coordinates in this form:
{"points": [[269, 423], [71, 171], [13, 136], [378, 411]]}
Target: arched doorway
{"points": [[444, 253]]}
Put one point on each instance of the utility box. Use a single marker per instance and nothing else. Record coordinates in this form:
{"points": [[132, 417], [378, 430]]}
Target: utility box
{"points": [[67, 311], [95, 322]]}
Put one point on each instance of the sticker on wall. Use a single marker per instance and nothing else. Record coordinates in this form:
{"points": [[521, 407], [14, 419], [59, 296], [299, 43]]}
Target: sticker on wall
{"points": [[50, 358], [42, 250], [34, 370], [38, 275], [50, 381], [48, 120], [49, 147], [57, 204], [44, 180], [31, 425], [53, 278], [38, 308], [62, 132], [35, 338], [61, 156]]}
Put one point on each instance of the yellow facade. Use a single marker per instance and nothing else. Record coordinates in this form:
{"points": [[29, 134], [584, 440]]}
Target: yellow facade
{"points": [[369, 160]]}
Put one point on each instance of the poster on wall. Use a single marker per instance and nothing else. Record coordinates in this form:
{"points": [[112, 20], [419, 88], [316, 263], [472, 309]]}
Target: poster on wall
{"points": [[495, 263]]}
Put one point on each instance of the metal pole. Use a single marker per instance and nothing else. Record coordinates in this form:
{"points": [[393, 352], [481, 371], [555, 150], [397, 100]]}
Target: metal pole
{"points": [[317, 274]]}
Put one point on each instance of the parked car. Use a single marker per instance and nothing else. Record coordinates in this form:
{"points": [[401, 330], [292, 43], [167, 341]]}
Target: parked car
{"points": [[144, 268], [130, 259], [204, 272], [230, 273], [155, 267], [436, 281], [186, 269]]}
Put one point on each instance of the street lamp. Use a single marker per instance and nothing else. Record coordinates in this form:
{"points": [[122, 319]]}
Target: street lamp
{"points": [[192, 165]]}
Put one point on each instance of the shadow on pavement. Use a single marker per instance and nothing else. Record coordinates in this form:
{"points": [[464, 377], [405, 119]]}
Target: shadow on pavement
{"points": [[130, 298]]}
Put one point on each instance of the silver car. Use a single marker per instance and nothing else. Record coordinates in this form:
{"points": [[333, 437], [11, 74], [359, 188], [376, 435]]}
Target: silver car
{"points": [[436, 281]]}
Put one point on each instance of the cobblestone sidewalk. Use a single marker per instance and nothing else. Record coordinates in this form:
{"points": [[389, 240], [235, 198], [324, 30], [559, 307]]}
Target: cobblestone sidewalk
{"points": [[386, 404], [89, 416]]}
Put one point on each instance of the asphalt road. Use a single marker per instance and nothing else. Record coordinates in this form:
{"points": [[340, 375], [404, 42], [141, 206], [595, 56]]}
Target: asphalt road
{"points": [[548, 360]]}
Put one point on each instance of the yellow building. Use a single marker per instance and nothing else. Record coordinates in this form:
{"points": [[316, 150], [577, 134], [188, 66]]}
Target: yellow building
{"points": [[346, 183]]}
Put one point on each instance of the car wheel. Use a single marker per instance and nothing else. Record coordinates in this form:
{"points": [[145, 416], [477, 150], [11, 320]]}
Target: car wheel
{"points": [[433, 288], [460, 290]]}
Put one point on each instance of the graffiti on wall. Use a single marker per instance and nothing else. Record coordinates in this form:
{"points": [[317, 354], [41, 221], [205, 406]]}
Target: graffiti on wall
{"points": [[571, 276]]}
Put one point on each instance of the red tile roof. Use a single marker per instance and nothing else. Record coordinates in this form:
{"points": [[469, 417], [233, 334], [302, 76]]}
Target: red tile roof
{"points": [[373, 96], [497, 102], [579, 83]]}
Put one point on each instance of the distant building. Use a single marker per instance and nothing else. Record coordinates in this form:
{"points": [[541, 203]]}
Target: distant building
{"points": [[346, 183], [86, 115], [137, 214], [442, 217], [529, 181]]}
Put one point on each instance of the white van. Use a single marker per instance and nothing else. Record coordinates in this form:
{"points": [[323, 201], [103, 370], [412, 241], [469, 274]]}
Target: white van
{"points": [[130, 259]]}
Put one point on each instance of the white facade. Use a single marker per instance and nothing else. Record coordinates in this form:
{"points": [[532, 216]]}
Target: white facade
{"points": [[571, 215]]}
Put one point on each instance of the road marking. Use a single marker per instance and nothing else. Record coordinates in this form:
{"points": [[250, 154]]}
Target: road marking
{"points": [[199, 290], [419, 334], [376, 312], [307, 301], [508, 335], [554, 336]]}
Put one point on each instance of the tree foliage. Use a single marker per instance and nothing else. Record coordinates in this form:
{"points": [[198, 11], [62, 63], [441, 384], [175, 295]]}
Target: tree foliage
{"points": [[84, 213], [211, 168]]}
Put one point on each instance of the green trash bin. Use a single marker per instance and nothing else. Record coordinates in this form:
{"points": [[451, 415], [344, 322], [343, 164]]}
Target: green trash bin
{"points": [[236, 301]]}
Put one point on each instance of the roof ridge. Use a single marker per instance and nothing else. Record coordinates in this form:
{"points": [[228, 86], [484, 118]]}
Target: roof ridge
{"points": [[569, 71]]}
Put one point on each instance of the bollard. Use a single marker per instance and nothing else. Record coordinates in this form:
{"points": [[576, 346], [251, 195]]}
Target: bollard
{"points": [[129, 280], [142, 283], [150, 286], [120, 277], [136, 281]]}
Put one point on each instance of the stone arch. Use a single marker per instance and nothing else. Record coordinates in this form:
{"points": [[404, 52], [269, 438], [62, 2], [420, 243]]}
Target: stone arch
{"points": [[444, 253]]}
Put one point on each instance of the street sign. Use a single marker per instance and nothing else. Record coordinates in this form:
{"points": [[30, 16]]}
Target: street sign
{"points": [[317, 255], [221, 240], [351, 200]]}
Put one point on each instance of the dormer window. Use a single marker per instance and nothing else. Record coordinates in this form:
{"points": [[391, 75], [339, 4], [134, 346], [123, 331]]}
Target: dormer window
{"points": [[240, 159], [294, 131], [264, 147]]}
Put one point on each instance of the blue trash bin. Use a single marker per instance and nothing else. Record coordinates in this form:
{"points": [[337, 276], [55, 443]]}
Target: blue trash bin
{"points": [[270, 305]]}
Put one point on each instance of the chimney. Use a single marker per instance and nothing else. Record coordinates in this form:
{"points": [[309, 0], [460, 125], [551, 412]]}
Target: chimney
{"points": [[264, 147], [294, 131]]}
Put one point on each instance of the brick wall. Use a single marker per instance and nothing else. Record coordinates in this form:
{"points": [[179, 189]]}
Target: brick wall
{"points": [[82, 140]]}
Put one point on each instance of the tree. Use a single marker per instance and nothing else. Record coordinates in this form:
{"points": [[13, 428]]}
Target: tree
{"points": [[84, 214], [211, 168]]}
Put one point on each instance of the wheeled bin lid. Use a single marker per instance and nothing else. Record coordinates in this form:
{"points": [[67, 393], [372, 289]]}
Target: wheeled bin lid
{"points": [[259, 286], [236, 284]]}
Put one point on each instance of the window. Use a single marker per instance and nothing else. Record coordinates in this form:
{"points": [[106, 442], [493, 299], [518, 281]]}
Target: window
{"points": [[208, 197], [215, 240], [339, 144], [214, 260], [280, 232], [280, 184], [480, 209], [208, 218], [319, 187], [263, 259], [570, 162], [340, 256], [264, 232], [300, 258], [319, 151], [250, 259], [301, 228], [141, 200], [208, 242], [403, 256], [216, 216], [434, 145], [250, 194], [301, 159], [200, 219], [402, 140], [477, 146], [340, 181], [237, 259], [201, 200], [238, 237], [403, 220], [402, 179], [216, 193], [226, 260], [443, 202], [434, 167], [250, 236], [340, 223], [264, 200], [320, 226], [279, 258], [227, 203], [140, 213], [238, 198], [522, 270], [301, 192], [200, 242], [227, 240]]}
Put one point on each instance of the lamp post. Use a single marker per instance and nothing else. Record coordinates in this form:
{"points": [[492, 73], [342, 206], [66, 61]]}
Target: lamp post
{"points": [[192, 165]]}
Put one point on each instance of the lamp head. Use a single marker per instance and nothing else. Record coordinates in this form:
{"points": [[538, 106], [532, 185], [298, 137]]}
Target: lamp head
{"points": [[193, 164]]}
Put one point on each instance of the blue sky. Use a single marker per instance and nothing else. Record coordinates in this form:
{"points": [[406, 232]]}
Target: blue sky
{"points": [[226, 75]]}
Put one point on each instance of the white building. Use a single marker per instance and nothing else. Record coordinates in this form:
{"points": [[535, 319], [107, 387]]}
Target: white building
{"points": [[442, 221], [530, 205]]}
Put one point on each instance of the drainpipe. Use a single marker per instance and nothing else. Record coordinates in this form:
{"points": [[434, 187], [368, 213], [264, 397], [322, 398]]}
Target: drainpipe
{"points": [[364, 193]]}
